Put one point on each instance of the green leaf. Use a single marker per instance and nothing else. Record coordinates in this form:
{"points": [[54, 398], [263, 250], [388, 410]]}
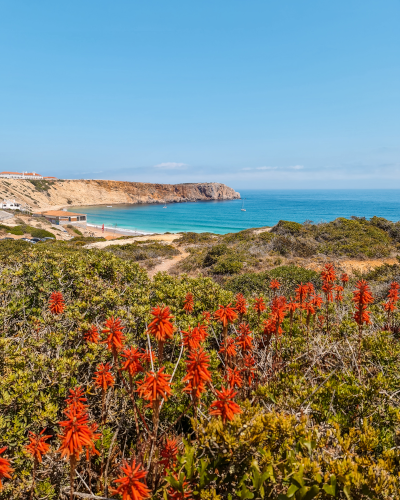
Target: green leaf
{"points": [[347, 492], [292, 490], [330, 489]]}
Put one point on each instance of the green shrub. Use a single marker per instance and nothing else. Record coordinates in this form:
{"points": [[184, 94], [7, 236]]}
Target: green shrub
{"points": [[227, 265], [284, 227], [213, 254]]}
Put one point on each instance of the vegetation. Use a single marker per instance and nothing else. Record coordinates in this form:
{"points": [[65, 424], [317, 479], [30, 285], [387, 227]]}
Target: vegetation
{"points": [[74, 229], [41, 185], [143, 251], [22, 229], [289, 391], [253, 250]]}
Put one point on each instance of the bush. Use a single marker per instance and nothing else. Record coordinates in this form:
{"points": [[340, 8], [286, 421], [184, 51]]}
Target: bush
{"points": [[227, 265], [213, 254]]}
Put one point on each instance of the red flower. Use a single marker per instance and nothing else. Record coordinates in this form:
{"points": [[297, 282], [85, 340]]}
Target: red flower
{"points": [[241, 305], [56, 303], [5, 467], [233, 378], [103, 378], [328, 273], [201, 331], [317, 301], [115, 338], [132, 485], [37, 445], [274, 285], [229, 347], [225, 315], [161, 326], [76, 433], [362, 297], [224, 406], [259, 305], [206, 316], [310, 287], [339, 293], [191, 339], [292, 306], [169, 453], [272, 325], [188, 304], [309, 307], [344, 279], [393, 297], [155, 386], [327, 288], [77, 399], [92, 335], [249, 370], [132, 361], [301, 294], [244, 341], [197, 372]]}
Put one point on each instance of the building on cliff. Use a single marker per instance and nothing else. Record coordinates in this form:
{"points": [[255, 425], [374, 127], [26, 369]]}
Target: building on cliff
{"points": [[32, 176]]}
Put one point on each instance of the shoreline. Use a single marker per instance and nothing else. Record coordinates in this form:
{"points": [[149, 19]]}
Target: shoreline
{"points": [[124, 232]]}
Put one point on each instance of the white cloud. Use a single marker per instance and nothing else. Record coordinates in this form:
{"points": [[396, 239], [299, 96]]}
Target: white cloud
{"points": [[297, 167], [170, 165], [267, 168]]}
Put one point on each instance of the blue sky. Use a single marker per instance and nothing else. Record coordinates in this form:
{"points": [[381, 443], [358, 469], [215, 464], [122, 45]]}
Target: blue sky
{"points": [[259, 94]]}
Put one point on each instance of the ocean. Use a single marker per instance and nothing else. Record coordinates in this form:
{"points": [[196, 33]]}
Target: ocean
{"points": [[263, 208]]}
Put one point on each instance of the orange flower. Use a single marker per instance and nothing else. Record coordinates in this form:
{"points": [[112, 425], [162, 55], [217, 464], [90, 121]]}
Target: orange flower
{"points": [[362, 297], [77, 399], [37, 445], [169, 453], [103, 378], [272, 325], [201, 331], [393, 297], [188, 304], [244, 341], [155, 386], [92, 335], [259, 305], [228, 347], [310, 287], [339, 293], [5, 467], [132, 361], [197, 372], [249, 370], [292, 306], [241, 305], [225, 315], [191, 339], [206, 316], [115, 338], [328, 273], [76, 433], [274, 285], [224, 406], [317, 301], [161, 326], [233, 378], [132, 485], [301, 294], [56, 303], [344, 279], [327, 288]]}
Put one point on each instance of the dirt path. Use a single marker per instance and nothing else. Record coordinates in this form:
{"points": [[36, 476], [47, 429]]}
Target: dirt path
{"points": [[166, 265], [158, 237]]}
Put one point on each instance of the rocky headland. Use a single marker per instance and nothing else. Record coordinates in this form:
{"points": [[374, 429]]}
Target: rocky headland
{"points": [[46, 195]]}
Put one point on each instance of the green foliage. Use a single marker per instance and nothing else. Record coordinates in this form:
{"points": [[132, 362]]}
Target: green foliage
{"points": [[195, 238], [42, 185], [20, 230], [74, 229], [143, 250]]}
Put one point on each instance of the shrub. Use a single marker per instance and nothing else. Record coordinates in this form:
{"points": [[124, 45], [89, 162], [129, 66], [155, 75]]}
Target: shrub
{"points": [[213, 254], [227, 265]]}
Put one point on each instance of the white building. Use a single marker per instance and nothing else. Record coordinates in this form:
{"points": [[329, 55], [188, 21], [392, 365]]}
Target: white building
{"points": [[21, 175], [11, 204]]}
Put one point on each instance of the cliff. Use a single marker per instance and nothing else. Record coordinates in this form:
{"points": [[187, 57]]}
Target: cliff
{"points": [[56, 194]]}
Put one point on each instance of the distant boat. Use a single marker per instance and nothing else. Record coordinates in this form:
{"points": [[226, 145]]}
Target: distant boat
{"points": [[165, 206], [243, 209]]}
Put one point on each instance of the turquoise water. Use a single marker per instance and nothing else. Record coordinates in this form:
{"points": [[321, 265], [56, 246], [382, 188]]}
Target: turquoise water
{"points": [[263, 208]]}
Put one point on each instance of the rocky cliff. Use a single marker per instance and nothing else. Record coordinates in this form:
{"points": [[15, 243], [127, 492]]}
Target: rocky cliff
{"points": [[56, 194]]}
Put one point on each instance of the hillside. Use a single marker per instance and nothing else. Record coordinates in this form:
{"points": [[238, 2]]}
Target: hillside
{"points": [[45, 194]]}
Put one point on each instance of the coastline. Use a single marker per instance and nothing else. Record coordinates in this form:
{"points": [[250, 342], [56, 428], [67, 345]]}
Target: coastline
{"points": [[111, 232]]}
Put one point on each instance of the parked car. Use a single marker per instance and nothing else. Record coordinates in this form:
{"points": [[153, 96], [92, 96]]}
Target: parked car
{"points": [[26, 239], [7, 238], [35, 240]]}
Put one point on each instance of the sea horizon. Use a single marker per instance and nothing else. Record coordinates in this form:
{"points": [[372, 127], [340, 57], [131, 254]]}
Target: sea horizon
{"points": [[262, 208]]}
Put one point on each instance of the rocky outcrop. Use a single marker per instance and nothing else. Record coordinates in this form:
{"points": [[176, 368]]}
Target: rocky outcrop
{"points": [[52, 194]]}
